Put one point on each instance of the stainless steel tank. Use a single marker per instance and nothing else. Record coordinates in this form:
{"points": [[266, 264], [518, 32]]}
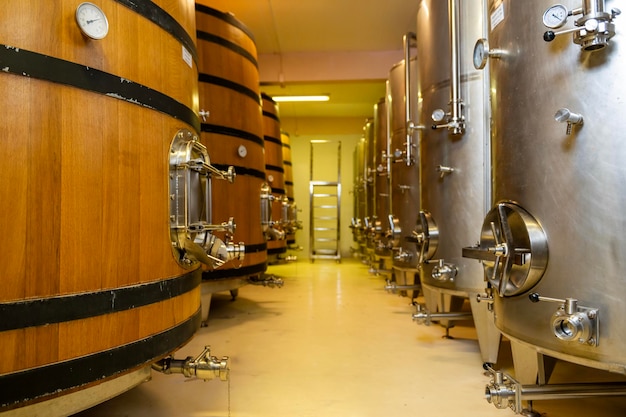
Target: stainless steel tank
{"points": [[359, 201], [405, 188], [553, 244], [369, 171], [382, 264], [455, 163]]}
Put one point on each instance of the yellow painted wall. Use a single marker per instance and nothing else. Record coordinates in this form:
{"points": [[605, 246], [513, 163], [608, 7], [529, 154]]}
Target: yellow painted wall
{"points": [[301, 132]]}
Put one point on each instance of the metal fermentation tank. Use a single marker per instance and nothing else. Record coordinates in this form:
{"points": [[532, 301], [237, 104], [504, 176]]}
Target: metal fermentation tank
{"points": [[382, 262], [555, 236], [405, 188], [455, 163], [359, 200]]}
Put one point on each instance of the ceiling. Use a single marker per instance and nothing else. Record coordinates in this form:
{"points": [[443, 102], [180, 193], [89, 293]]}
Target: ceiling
{"points": [[344, 48]]}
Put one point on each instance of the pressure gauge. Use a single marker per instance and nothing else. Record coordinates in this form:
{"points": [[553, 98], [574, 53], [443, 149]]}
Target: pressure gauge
{"points": [[92, 21], [242, 151], [481, 53], [555, 16]]}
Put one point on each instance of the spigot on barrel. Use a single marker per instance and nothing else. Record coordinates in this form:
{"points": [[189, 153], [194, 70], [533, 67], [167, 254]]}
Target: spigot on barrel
{"points": [[204, 366]]}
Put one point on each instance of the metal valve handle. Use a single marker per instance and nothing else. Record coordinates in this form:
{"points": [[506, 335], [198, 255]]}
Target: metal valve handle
{"points": [[570, 305], [519, 256]]}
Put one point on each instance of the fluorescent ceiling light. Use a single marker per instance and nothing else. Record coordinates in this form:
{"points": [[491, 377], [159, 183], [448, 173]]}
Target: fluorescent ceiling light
{"points": [[283, 99]]}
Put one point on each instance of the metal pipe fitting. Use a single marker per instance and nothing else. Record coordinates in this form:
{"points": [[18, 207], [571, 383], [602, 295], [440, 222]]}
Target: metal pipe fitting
{"points": [[204, 366], [424, 316], [505, 392], [392, 287]]}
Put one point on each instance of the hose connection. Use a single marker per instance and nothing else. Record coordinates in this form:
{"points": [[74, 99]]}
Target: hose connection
{"points": [[204, 366]]}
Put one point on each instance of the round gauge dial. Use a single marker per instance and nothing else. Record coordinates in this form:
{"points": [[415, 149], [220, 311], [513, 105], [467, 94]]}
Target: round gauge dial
{"points": [[481, 53], [555, 16], [92, 21], [242, 151]]}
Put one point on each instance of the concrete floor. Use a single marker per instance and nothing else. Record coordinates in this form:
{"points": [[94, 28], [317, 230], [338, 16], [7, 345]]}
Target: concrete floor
{"points": [[333, 343]]}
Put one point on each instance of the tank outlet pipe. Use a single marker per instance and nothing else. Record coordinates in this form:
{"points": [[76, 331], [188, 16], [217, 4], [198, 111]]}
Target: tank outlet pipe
{"points": [[456, 120], [387, 154], [204, 366], [505, 392], [392, 287], [424, 316], [267, 280], [410, 125]]}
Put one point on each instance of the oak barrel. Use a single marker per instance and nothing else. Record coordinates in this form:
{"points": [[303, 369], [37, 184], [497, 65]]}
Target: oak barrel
{"points": [[233, 135], [91, 292]]}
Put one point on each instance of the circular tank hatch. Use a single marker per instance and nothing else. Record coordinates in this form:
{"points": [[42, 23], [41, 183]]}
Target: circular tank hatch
{"points": [[516, 249]]}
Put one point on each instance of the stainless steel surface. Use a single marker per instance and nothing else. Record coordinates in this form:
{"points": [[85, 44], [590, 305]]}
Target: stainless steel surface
{"points": [[271, 228], [573, 185], [382, 188], [404, 172], [411, 125], [455, 122], [454, 170], [455, 162]]}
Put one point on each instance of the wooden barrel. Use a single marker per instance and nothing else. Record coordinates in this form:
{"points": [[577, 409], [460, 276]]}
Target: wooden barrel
{"points": [[274, 170], [91, 292], [233, 135], [289, 193]]}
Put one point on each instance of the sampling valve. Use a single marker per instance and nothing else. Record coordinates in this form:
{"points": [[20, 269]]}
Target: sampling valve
{"points": [[444, 272], [592, 30], [565, 116], [572, 322], [205, 366], [403, 256]]}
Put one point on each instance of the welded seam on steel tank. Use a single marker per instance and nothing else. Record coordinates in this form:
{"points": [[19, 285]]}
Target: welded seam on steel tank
{"points": [[44, 67], [42, 381], [229, 131], [164, 20], [231, 85], [59, 309], [209, 37]]}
